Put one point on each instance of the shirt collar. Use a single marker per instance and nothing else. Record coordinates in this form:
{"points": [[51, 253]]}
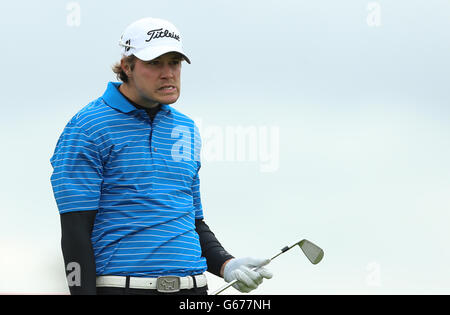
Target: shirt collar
{"points": [[116, 100]]}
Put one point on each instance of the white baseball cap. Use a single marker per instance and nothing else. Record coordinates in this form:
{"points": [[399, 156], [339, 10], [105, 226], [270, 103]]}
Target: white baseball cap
{"points": [[149, 38]]}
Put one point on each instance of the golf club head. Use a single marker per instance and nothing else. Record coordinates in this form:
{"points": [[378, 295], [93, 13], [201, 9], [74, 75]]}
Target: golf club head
{"points": [[312, 251]]}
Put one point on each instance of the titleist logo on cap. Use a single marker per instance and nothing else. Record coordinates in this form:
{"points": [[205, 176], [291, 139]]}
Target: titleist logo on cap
{"points": [[158, 33]]}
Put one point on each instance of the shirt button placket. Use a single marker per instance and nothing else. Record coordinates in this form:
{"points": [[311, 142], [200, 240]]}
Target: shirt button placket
{"points": [[151, 144], [152, 126]]}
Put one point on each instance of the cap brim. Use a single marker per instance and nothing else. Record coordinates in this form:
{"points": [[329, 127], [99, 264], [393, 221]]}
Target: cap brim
{"points": [[151, 53]]}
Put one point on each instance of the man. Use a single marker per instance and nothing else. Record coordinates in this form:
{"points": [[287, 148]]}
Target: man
{"points": [[126, 181]]}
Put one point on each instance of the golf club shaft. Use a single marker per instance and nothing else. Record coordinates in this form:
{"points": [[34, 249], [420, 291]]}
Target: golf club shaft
{"points": [[229, 284]]}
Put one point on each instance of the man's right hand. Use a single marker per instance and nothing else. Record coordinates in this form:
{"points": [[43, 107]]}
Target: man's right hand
{"points": [[248, 271]]}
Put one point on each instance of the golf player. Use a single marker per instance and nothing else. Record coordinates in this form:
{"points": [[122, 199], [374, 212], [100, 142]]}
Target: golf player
{"points": [[126, 182]]}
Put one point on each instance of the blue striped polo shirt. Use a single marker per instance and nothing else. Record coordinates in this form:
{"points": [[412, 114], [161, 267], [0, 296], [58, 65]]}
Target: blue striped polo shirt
{"points": [[141, 177]]}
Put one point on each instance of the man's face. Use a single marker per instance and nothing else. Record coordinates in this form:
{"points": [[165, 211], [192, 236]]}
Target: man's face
{"points": [[158, 80]]}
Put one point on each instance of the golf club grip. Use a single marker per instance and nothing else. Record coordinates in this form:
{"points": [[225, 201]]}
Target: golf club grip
{"points": [[229, 284]]}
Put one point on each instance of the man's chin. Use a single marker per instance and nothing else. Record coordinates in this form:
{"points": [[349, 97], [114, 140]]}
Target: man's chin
{"points": [[168, 100]]}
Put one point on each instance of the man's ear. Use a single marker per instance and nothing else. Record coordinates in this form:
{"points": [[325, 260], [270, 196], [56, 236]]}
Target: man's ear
{"points": [[125, 67]]}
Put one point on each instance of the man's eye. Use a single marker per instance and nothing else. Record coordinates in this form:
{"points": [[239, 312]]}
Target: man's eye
{"points": [[153, 62]]}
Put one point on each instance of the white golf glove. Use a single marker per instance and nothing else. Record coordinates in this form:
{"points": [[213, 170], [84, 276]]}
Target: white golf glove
{"points": [[241, 269]]}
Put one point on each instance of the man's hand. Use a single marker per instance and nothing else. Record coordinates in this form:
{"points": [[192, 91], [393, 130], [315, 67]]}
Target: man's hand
{"points": [[241, 269]]}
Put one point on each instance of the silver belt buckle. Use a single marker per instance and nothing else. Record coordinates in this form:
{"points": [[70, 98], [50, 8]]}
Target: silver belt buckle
{"points": [[168, 284]]}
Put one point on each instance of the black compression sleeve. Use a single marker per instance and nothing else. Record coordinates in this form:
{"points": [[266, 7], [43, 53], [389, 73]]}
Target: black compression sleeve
{"points": [[212, 250], [76, 229]]}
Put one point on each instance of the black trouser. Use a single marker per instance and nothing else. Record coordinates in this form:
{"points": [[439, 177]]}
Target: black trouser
{"points": [[129, 291]]}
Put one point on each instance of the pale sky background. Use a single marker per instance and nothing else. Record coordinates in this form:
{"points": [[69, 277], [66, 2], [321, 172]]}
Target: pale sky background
{"points": [[361, 106]]}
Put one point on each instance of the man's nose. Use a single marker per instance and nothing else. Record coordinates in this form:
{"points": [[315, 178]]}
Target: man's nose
{"points": [[166, 71]]}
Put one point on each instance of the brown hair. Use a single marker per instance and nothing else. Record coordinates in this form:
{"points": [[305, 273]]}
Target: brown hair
{"points": [[117, 68]]}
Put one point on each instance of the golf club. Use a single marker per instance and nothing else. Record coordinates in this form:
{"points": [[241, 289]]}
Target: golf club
{"points": [[313, 252]]}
